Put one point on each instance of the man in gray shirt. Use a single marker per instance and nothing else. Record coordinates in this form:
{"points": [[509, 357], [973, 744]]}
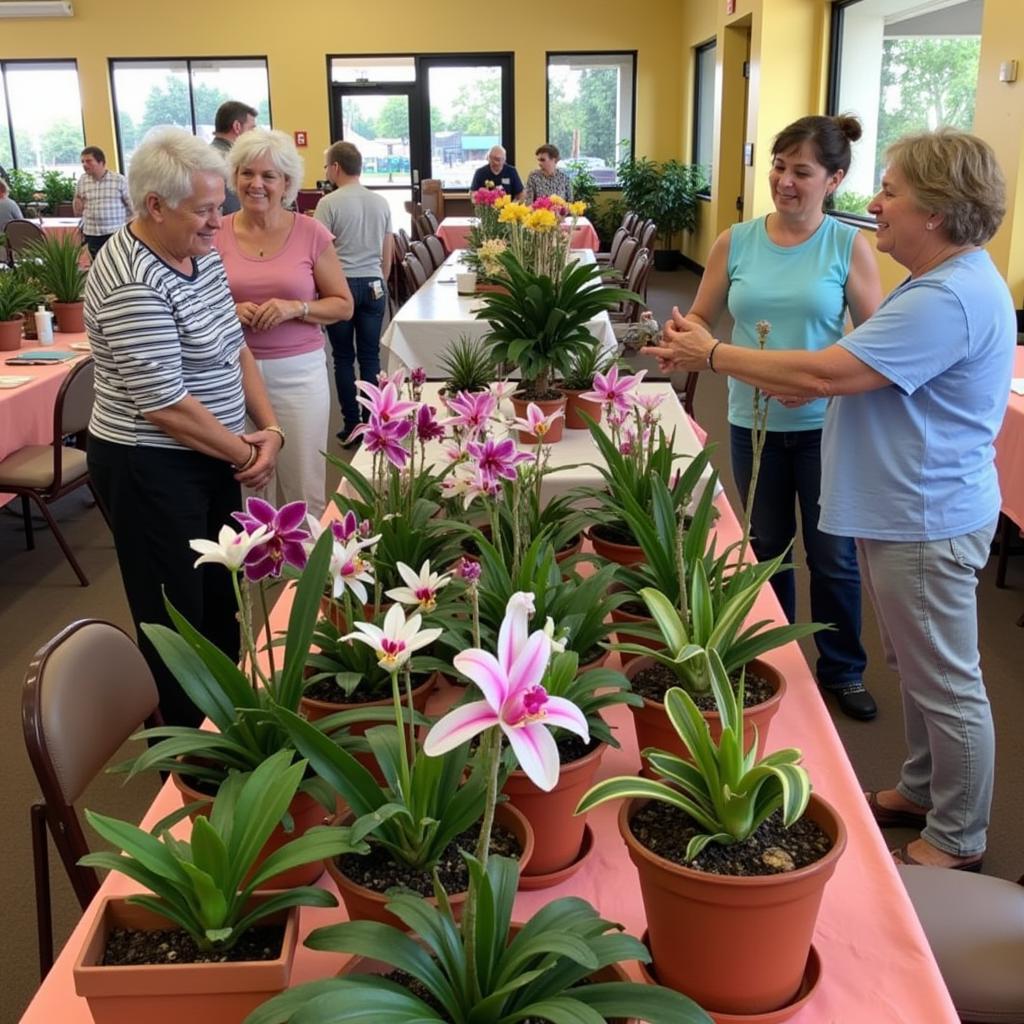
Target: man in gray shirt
{"points": [[360, 221], [233, 118]]}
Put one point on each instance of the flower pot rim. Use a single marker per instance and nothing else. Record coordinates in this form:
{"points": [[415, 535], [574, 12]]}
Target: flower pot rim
{"points": [[824, 863], [528, 883], [572, 766], [431, 679]]}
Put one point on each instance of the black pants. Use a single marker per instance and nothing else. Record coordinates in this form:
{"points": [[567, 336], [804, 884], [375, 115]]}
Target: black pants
{"points": [[157, 501], [95, 243]]}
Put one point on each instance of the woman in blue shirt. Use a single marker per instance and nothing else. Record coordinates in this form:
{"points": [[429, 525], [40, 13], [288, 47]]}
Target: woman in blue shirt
{"points": [[908, 467], [800, 270]]}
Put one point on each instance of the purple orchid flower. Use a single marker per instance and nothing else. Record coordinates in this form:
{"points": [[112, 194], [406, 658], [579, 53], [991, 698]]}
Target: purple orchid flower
{"points": [[428, 426], [613, 391], [384, 402], [283, 543], [386, 436], [497, 459], [472, 410]]}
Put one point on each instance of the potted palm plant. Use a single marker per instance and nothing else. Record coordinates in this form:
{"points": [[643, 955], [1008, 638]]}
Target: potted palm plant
{"points": [[733, 855], [204, 939], [467, 365], [16, 296], [59, 272]]}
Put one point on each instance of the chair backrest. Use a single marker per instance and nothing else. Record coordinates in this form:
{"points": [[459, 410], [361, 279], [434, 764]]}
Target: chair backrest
{"points": [[86, 691], [621, 234], [21, 233], [646, 234], [636, 281], [402, 242], [623, 259], [72, 410], [432, 221], [436, 248], [415, 274], [424, 226], [422, 253], [307, 199], [630, 221], [689, 392]]}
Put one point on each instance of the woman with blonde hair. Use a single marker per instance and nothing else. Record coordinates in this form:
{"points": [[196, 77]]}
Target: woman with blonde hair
{"points": [[287, 282]]}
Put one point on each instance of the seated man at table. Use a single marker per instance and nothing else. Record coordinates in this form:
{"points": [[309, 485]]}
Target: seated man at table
{"points": [[499, 173], [9, 209]]}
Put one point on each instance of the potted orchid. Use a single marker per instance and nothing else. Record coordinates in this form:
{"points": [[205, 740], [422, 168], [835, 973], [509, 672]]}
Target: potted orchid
{"points": [[581, 378], [482, 968]]}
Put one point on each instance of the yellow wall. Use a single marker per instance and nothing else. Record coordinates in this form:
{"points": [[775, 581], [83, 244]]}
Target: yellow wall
{"points": [[789, 66], [295, 40]]}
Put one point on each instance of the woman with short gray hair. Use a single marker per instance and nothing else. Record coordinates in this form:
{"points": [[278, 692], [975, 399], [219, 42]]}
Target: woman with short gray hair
{"points": [[168, 447], [287, 282], [907, 457]]}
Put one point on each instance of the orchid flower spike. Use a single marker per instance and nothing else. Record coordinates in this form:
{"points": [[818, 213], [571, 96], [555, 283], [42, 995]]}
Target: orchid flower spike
{"points": [[514, 699]]}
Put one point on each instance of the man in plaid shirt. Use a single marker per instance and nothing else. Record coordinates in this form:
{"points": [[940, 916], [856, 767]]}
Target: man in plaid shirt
{"points": [[101, 199]]}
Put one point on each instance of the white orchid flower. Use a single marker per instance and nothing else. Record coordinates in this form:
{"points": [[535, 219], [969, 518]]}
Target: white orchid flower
{"points": [[229, 549], [397, 640], [421, 588], [557, 645], [350, 570]]}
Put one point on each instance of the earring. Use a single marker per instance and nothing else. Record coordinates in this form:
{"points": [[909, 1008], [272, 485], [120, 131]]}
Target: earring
{"points": [[929, 226]]}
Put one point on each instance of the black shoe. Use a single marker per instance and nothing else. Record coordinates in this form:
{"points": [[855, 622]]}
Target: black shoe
{"points": [[855, 702], [346, 438]]}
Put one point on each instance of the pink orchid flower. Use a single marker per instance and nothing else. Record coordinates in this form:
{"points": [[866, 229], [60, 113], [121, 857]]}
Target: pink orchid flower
{"points": [[514, 699], [283, 542], [497, 459], [386, 436], [535, 422], [612, 390], [428, 426], [472, 410], [384, 402]]}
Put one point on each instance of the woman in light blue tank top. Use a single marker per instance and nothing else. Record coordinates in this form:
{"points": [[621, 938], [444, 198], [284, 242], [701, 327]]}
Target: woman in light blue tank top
{"points": [[800, 270]]}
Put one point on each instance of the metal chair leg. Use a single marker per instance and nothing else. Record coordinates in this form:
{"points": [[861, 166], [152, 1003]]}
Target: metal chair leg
{"points": [[26, 518], [41, 868], [68, 554]]}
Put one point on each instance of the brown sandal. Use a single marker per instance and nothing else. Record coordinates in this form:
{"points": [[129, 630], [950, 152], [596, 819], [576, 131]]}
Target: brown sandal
{"points": [[902, 855], [888, 817]]}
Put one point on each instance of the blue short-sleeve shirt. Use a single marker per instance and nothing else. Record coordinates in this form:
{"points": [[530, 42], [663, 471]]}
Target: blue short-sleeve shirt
{"points": [[507, 178], [914, 461]]}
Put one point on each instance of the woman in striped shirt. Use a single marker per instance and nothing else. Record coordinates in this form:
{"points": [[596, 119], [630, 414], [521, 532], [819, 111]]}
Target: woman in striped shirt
{"points": [[168, 451]]}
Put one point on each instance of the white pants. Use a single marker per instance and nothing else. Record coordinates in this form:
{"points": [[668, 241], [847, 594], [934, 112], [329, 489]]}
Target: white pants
{"points": [[301, 399]]}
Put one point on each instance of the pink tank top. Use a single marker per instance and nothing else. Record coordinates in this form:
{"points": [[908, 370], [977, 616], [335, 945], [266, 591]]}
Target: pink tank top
{"points": [[286, 275]]}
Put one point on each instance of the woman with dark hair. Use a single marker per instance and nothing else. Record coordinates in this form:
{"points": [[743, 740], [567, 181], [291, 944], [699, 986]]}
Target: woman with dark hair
{"points": [[547, 180], [908, 467], [800, 270]]}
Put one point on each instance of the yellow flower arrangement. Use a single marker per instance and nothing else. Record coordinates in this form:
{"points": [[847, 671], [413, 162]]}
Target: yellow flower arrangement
{"points": [[541, 220]]}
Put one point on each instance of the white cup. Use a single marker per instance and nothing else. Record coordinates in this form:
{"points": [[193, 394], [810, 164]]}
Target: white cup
{"points": [[466, 283]]}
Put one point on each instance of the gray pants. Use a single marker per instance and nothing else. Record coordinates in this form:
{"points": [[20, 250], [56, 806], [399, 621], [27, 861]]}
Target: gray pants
{"points": [[924, 598]]}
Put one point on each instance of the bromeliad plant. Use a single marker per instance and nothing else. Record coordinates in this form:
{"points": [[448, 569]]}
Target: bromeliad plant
{"points": [[475, 971], [204, 885], [467, 365], [725, 789]]}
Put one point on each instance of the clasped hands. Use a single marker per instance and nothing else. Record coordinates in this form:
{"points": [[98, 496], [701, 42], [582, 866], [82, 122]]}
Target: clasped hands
{"points": [[268, 315], [267, 444]]}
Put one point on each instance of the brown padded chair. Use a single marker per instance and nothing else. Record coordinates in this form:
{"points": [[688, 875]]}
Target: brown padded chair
{"points": [[45, 472], [975, 926], [86, 691], [646, 234], [607, 258], [19, 234], [629, 312], [415, 273], [432, 222], [438, 253]]}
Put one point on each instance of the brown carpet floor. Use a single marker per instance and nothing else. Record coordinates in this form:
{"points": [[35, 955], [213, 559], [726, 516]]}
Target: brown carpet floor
{"points": [[39, 595]]}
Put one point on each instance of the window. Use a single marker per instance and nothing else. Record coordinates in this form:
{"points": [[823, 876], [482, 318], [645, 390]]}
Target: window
{"points": [[184, 92], [40, 116], [901, 66], [704, 106], [592, 110]]}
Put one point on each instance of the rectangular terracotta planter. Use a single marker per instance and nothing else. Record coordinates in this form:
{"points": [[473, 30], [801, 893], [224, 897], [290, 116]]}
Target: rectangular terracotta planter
{"points": [[221, 993]]}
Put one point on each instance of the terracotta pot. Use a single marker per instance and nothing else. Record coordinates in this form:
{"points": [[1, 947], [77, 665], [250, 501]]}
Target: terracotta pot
{"points": [[622, 554], [364, 904], [306, 813], [334, 612], [574, 405], [217, 993], [571, 549], [70, 317], [548, 406], [557, 832], [598, 662], [653, 728], [484, 287], [10, 333], [733, 944]]}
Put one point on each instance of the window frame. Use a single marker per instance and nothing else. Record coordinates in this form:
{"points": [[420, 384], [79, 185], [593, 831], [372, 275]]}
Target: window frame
{"points": [[5, 63], [419, 100], [187, 61], [699, 50], [633, 55]]}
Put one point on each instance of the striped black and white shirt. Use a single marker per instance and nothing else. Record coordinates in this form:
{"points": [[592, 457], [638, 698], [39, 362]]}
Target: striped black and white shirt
{"points": [[158, 336]]}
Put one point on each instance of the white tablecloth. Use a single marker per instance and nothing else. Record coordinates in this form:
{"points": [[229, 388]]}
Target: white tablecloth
{"points": [[436, 315]]}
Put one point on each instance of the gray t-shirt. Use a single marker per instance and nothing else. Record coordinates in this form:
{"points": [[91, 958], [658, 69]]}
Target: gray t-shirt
{"points": [[359, 219], [231, 202], [9, 210]]}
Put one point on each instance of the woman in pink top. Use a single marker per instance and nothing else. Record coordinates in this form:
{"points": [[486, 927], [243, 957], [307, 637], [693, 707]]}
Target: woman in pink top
{"points": [[286, 281]]}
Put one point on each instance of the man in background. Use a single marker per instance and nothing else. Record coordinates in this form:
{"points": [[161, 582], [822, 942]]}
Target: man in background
{"points": [[233, 118], [360, 221], [101, 199], [501, 174]]}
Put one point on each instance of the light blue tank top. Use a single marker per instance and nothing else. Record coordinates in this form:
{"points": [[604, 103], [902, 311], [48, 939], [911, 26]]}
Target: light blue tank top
{"points": [[800, 291]]}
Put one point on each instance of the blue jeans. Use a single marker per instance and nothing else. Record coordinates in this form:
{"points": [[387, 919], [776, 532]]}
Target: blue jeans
{"points": [[927, 610], [790, 474], [358, 338]]}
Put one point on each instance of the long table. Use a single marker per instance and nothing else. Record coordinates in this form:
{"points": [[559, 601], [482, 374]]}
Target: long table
{"points": [[876, 964], [454, 232], [436, 315]]}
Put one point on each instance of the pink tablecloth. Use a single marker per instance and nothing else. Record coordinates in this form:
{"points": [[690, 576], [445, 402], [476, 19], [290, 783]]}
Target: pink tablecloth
{"points": [[454, 232], [876, 964], [61, 225], [1010, 451], [26, 412]]}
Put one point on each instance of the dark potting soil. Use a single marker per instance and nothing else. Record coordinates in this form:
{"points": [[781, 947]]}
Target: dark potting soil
{"points": [[129, 946], [379, 871], [616, 533], [328, 690], [572, 748], [772, 850], [551, 395], [654, 682]]}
